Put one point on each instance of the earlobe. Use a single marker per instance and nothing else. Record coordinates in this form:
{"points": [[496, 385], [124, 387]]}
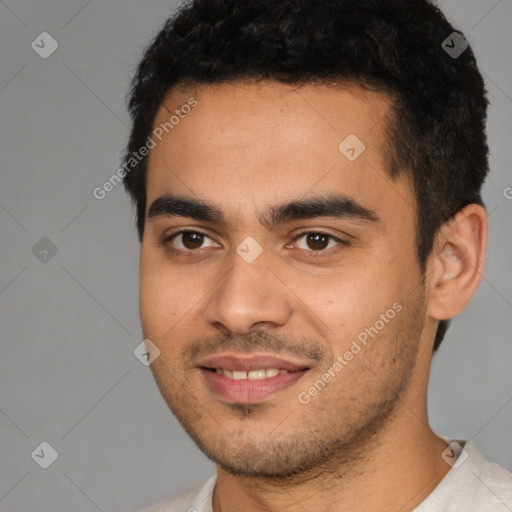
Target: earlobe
{"points": [[457, 262]]}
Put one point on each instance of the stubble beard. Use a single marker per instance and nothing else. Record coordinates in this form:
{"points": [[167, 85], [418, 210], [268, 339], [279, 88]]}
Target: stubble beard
{"points": [[329, 435]]}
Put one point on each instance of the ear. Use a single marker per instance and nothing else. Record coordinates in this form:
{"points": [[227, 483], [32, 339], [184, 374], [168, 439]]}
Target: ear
{"points": [[456, 265]]}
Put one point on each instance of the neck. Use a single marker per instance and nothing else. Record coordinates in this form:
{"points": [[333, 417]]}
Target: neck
{"points": [[395, 469]]}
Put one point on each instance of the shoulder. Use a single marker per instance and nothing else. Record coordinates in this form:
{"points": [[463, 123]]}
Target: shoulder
{"points": [[495, 482], [474, 484], [197, 498]]}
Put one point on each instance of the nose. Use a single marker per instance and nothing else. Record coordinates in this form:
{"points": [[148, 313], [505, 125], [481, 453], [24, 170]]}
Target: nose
{"points": [[249, 295]]}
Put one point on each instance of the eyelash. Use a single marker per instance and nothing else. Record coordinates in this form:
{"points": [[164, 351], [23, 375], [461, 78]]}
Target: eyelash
{"points": [[316, 254]]}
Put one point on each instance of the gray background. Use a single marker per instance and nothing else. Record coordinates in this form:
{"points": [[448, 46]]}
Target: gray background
{"points": [[68, 326]]}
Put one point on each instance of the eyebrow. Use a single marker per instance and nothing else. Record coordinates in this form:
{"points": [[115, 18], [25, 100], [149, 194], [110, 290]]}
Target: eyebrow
{"points": [[330, 205]]}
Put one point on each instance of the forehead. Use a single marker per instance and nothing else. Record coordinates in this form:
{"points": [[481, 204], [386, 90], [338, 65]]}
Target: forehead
{"points": [[249, 112], [259, 142]]}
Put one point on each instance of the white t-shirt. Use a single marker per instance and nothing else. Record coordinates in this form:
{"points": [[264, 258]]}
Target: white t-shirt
{"points": [[473, 484]]}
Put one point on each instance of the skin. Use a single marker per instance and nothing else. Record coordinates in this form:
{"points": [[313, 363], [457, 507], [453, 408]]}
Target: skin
{"points": [[363, 442]]}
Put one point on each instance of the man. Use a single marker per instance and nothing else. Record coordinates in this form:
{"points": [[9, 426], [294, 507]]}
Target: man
{"points": [[307, 183]]}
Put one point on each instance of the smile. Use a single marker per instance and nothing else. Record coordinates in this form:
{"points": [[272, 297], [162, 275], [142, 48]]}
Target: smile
{"points": [[263, 373]]}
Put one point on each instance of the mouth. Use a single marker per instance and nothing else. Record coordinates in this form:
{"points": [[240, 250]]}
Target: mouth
{"points": [[260, 374], [249, 379]]}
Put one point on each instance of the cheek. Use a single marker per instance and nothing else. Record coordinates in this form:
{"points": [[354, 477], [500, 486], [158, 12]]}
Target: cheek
{"points": [[168, 297], [351, 300], [156, 307], [160, 307]]}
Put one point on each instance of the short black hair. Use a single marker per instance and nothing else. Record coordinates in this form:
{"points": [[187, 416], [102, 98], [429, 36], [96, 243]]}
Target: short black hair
{"points": [[400, 47]]}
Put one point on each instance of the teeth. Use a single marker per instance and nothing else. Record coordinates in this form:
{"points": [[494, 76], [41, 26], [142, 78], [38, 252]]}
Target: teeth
{"points": [[263, 373], [227, 373], [257, 374]]}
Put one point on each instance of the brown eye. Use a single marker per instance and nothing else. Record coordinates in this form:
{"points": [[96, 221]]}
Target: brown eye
{"points": [[317, 241], [192, 240], [189, 241]]}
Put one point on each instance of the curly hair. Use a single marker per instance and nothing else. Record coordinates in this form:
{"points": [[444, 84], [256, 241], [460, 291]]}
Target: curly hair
{"points": [[439, 105]]}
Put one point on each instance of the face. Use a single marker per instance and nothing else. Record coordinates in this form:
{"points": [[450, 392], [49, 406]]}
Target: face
{"points": [[278, 273]]}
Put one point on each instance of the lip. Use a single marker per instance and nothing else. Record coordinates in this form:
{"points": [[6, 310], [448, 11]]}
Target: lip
{"points": [[249, 391], [246, 363]]}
